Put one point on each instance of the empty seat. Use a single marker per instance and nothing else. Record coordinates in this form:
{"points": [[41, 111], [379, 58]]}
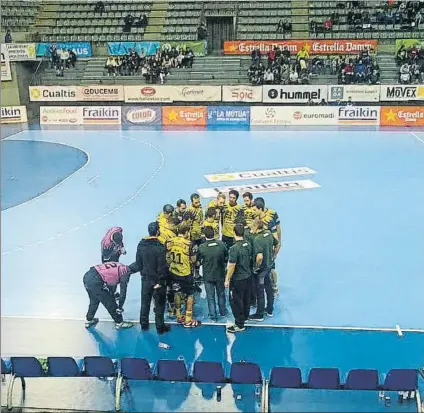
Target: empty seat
{"points": [[171, 370], [208, 372], [135, 369], [361, 379], [324, 379], [62, 367], [26, 367], [401, 380], [4, 368], [286, 378], [245, 373], [96, 366]]}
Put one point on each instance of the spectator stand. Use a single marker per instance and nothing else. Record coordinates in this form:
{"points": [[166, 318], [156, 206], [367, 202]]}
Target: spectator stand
{"points": [[410, 62], [19, 17]]}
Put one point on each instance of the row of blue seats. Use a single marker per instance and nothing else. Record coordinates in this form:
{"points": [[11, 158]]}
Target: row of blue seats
{"points": [[211, 372]]}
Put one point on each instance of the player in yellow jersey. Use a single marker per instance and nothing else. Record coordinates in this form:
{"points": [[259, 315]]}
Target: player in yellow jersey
{"points": [[167, 227], [248, 209], [218, 204], [195, 216], [181, 258], [179, 213], [210, 221], [272, 222], [232, 215]]}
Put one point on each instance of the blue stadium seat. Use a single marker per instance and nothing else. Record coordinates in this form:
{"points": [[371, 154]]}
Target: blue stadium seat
{"points": [[245, 373], [26, 367], [171, 370], [135, 369], [286, 378], [401, 380], [362, 379], [208, 372], [328, 379], [62, 367], [97, 366], [4, 368]]}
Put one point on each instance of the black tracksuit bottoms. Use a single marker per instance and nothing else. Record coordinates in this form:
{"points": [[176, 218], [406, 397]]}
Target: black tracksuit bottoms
{"points": [[99, 293], [159, 297], [240, 300]]}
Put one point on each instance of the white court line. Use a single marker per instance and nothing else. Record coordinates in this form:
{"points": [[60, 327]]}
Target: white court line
{"points": [[59, 183], [417, 137], [93, 179], [260, 325], [399, 331], [110, 212]]}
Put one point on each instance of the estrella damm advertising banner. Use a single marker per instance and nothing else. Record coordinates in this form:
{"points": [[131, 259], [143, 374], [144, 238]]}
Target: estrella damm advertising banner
{"points": [[184, 115], [313, 47], [402, 116]]}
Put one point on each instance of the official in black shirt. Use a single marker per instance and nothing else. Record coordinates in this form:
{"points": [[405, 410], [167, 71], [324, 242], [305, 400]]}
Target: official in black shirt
{"points": [[151, 261]]}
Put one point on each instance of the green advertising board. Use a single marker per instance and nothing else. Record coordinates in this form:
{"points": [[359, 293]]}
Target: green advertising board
{"points": [[199, 48], [408, 43]]}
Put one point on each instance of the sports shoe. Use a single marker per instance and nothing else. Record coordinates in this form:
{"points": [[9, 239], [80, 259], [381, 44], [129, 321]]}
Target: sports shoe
{"points": [[124, 324], [256, 317], [269, 313], [91, 323], [235, 329]]}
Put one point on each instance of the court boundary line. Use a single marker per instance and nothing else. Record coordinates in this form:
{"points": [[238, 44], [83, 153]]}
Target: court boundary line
{"points": [[110, 212], [59, 183], [417, 137], [222, 324]]}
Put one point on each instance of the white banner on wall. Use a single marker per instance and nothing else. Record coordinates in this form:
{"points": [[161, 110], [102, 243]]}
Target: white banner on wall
{"points": [[98, 93], [61, 115], [20, 52], [356, 93], [148, 94], [359, 115], [242, 93], [53, 93], [401, 93], [6, 73], [199, 93], [14, 114], [293, 115], [101, 115], [294, 93]]}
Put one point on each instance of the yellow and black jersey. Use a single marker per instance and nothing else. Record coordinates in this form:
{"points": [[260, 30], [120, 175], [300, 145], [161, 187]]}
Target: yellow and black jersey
{"points": [[271, 220], [166, 228], [249, 215], [195, 217], [179, 251], [218, 210], [232, 215], [214, 225]]}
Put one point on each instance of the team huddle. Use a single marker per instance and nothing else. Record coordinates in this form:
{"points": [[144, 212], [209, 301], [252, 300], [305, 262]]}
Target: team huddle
{"points": [[226, 246]]}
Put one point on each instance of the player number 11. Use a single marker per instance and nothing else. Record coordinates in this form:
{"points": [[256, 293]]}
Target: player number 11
{"points": [[176, 258]]}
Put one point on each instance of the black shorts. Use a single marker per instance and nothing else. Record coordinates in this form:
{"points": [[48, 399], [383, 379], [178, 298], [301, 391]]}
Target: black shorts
{"points": [[183, 285]]}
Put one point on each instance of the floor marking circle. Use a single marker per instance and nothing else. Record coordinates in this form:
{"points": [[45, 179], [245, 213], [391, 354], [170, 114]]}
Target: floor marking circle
{"points": [[111, 211]]}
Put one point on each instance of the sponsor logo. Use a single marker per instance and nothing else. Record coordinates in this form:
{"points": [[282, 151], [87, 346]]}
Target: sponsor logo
{"points": [[298, 115], [90, 91], [145, 115], [52, 93], [405, 92], [228, 115], [267, 173], [358, 114], [402, 116], [261, 188], [101, 114], [11, 112], [148, 91], [184, 115], [190, 92], [242, 94], [270, 113], [294, 95]]}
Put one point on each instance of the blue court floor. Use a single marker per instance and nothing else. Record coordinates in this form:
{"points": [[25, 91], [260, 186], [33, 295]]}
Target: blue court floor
{"points": [[352, 255]]}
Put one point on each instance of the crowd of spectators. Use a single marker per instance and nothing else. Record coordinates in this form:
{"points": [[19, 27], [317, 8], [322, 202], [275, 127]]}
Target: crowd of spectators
{"points": [[411, 64], [131, 21], [284, 26], [154, 68], [61, 59], [278, 67], [360, 69], [407, 14]]}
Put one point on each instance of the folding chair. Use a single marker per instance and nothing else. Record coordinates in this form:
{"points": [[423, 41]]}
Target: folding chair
{"points": [[171, 370], [245, 373], [208, 372], [131, 369], [97, 366], [401, 380], [22, 367], [4, 368], [328, 379], [286, 378], [362, 379]]}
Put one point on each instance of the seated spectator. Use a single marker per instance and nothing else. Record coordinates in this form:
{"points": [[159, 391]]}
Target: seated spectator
{"points": [[202, 31], [111, 66], [128, 22], [54, 56], [256, 54], [303, 53], [328, 24], [8, 37], [404, 74], [360, 72], [64, 56], [293, 76], [271, 56], [71, 59], [99, 7], [280, 26]]}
